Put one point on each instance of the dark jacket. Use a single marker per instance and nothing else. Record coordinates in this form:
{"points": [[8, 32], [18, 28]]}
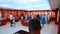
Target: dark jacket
{"points": [[21, 32]]}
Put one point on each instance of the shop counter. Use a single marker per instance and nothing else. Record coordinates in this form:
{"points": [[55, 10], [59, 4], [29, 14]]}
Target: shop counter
{"points": [[2, 22], [24, 23]]}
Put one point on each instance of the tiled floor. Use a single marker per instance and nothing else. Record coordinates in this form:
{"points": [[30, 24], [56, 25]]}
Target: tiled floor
{"points": [[47, 29], [50, 29]]}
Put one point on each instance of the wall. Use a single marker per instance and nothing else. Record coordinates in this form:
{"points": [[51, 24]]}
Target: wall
{"points": [[54, 4]]}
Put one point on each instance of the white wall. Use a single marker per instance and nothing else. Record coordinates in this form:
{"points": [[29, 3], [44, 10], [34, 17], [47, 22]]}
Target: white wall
{"points": [[54, 4]]}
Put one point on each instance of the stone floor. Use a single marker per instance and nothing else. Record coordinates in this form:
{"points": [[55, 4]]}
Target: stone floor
{"points": [[47, 29]]}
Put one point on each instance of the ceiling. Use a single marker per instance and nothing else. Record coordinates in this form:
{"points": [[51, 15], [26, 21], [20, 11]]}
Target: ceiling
{"points": [[30, 4]]}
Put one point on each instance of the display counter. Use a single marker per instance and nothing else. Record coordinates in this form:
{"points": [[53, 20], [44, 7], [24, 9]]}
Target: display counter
{"points": [[24, 23], [2, 21]]}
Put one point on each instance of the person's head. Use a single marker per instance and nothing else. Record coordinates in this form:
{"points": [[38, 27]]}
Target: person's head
{"points": [[34, 25], [37, 16]]}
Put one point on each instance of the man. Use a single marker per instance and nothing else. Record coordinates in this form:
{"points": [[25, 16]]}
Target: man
{"points": [[34, 27], [11, 19], [37, 16], [48, 18]]}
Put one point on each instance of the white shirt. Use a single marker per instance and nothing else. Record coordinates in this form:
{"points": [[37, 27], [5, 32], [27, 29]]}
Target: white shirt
{"points": [[11, 17], [48, 16]]}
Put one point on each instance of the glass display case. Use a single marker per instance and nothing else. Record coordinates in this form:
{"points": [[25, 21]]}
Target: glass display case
{"points": [[2, 19]]}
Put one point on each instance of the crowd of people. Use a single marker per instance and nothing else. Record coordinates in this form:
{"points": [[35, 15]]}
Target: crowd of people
{"points": [[34, 22], [43, 18]]}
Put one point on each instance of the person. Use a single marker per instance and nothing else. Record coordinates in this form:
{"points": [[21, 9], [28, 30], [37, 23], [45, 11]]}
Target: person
{"points": [[42, 20], [34, 27], [11, 19], [37, 16], [28, 16], [32, 16], [26, 19], [48, 18]]}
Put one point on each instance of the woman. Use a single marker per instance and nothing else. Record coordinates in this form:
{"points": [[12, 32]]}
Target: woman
{"points": [[42, 20]]}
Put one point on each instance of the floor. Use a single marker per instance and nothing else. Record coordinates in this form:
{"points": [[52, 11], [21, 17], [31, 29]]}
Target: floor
{"points": [[47, 29]]}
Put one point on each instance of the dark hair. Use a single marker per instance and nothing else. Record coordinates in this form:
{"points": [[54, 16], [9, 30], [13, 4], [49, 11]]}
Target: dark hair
{"points": [[37, 16], [34, 24]]}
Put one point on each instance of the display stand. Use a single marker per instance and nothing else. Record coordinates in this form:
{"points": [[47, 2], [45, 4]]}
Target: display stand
{"points": [[24, 23], [2, 22]]}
